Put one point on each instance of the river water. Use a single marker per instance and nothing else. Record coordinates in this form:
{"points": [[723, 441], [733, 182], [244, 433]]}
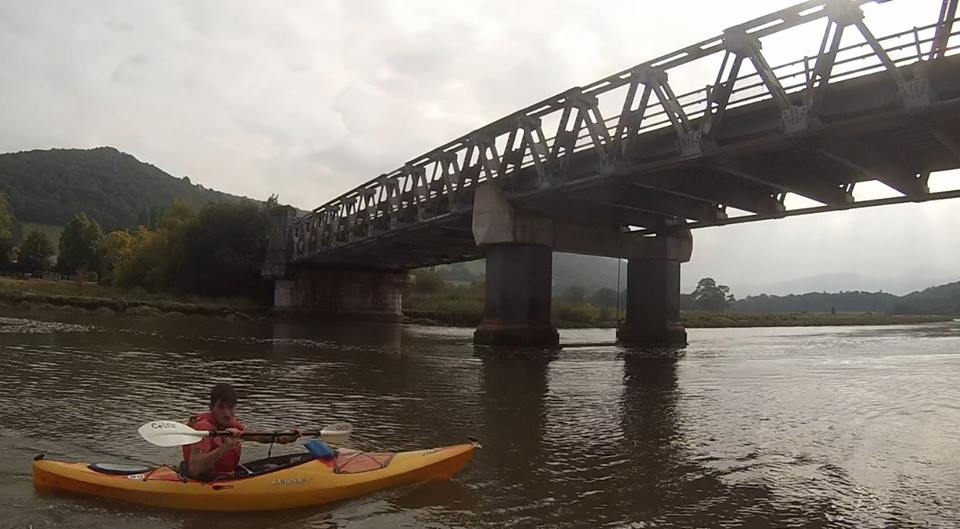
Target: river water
{"points": [[809, 427]]}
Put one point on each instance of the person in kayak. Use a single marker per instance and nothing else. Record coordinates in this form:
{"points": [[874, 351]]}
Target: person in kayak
{"points": [[215, 457]]}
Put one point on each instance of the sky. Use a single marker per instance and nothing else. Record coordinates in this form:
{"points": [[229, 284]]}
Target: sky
{"points": [[308, 99]]}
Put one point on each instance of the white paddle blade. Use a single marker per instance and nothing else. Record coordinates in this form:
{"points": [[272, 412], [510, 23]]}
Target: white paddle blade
{"points": [[170, 433], [336, 433]]}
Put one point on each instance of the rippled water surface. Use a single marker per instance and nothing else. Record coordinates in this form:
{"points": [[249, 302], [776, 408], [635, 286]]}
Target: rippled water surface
{"points": [[815, 427]]}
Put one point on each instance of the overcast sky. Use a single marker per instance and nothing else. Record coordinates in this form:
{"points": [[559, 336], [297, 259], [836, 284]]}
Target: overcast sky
{"points": [[309, 98]]}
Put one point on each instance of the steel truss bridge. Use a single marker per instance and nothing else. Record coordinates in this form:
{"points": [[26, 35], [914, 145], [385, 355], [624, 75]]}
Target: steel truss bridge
{"points": [[628, 150]]}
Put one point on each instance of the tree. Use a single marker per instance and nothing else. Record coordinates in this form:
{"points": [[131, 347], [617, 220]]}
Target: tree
{"points": [[146, 263], [7, 227], [456, 272], [220, 251], [574, 294], [427, 280], [81, 246], [116, 249], [35, 252], [179, 215], [605, 297], [216, 251], [710, 296]]}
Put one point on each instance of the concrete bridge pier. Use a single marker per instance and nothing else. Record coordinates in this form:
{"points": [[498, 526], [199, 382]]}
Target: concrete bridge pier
{"points": [[517, 298], [653, 305], [518, 246], [334, 292], [371, 294]]}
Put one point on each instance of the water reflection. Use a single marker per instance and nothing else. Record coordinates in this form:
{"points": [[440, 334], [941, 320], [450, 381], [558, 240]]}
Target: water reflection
{"points": [[514, 387], [750, 428], [384, 337]]}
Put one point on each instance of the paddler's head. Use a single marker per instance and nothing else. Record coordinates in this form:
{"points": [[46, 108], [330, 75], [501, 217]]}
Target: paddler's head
{"points": [[223, 403]]}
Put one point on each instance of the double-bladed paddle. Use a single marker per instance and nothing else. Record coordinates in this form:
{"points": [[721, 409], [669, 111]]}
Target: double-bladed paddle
{"points": [[170, 433]]}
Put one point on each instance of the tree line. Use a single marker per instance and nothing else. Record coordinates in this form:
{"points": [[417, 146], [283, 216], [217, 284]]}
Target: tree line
{"points": [[215, 250], [711, 296]]}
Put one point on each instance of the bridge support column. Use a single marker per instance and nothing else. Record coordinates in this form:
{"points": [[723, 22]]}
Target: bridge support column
{"points": [[368, 294], [517, 305], [518, 246], [283, 293], [653, 305]]}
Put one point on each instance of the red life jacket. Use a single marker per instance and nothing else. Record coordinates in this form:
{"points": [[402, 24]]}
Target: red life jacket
{"points": [[227, 463]]}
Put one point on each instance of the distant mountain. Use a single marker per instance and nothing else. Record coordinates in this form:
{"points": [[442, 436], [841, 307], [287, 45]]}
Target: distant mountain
{"points": [[110, 186], [844, 301], [912, 280], [569, 270], [591, 273], [943, 299]]}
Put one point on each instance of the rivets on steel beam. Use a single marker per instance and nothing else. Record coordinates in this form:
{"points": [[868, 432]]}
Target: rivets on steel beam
{"points": [[739, 42], [528, 123], [582, 101], [651, 76], [794, 120], [843, 12], [915, 93], [690, 145]]}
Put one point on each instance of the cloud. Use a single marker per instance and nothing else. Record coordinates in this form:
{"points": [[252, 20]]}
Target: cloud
{"points": [[311, 98]]}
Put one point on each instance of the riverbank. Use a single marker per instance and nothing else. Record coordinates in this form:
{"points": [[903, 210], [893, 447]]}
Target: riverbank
{"points": [[38, 295], [704, 320], [698, 319]]}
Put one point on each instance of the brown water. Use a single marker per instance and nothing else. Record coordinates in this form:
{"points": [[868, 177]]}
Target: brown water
{"points": [[817, 427]]}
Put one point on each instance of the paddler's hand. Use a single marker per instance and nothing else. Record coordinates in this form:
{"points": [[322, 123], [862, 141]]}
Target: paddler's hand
{"points": [[287, 439], [233, 439]]}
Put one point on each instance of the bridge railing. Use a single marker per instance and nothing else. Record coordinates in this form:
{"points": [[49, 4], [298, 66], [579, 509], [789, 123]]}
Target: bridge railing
{"points": [[440, 182], [852, 61]]}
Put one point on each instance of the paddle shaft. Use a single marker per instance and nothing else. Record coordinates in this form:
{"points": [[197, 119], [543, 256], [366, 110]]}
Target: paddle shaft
{"points": [[248, 435], [172, 433]]}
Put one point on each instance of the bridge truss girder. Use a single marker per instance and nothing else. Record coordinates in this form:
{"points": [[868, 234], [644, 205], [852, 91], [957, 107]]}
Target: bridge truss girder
{"points": [[669, 157]]}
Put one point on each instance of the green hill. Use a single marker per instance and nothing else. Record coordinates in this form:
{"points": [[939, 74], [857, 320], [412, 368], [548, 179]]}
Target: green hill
{"points": [[112, 187], [853, 301], [942, 299]]}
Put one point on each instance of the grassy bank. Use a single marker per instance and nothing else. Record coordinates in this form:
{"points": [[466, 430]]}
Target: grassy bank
{"points": [[695, 319], [463, 306], [32, 293], [459, 306]]}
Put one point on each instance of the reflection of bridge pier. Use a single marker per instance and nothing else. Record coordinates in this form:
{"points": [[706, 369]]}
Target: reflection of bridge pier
{"points": [[513, 392]]}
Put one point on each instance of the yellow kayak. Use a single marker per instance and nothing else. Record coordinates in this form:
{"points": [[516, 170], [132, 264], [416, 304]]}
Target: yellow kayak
{"points": [[281, 482]]}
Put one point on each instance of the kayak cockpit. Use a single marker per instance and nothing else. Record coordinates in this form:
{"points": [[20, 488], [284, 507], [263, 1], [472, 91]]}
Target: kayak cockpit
{"points": [[344, 461], [114, 469]]}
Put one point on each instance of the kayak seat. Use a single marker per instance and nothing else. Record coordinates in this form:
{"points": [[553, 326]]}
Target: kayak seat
{"points": [[354, 462], [119, 470]]}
